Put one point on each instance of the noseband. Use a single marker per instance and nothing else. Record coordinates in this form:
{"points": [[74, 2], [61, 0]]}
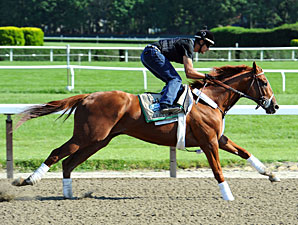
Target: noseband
{"points": [[262, 101]]}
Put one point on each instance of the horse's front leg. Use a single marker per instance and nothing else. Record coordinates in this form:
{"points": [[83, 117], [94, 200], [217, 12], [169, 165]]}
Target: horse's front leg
{"points": [[211, 152], [226, 144]]}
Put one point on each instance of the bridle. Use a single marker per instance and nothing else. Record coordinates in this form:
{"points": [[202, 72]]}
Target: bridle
{"points": [[262, 101]]}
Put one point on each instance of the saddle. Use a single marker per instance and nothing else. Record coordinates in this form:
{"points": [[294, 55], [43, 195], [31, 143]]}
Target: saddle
{"points": [[151, 109]]}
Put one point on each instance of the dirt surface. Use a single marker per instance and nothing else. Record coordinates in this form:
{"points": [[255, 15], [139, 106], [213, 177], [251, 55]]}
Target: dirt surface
{"points": [[150, 201]]}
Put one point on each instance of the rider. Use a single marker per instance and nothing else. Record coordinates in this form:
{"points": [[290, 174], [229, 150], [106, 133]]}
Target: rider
{"points": [[157, 57]]}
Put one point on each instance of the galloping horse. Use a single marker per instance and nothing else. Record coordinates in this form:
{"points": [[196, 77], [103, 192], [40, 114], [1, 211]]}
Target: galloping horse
{"points": [[101, 116]]}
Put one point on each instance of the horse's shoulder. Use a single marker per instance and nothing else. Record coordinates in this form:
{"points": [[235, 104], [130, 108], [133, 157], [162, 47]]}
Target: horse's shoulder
{"points": [[203, 113]]}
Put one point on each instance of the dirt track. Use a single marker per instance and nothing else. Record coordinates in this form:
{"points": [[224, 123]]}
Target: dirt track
{"points": [[151, 201]]}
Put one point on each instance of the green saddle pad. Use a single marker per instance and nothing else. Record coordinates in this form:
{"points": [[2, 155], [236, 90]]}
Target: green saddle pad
{"points": [[150, 107]]}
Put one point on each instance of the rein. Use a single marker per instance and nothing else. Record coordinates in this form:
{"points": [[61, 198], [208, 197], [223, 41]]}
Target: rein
{"points": [[234, 90], [261, 102]]}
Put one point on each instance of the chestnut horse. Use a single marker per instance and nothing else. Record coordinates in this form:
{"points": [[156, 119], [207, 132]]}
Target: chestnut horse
{"points": [[101, 116]]}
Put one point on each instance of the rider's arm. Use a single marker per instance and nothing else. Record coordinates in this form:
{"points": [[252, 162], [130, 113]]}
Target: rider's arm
{"points": [[190, 72]]}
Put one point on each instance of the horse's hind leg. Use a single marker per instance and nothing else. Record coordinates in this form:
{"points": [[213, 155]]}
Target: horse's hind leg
{"points": [[226, 144], [71, 162], [66, 149]]}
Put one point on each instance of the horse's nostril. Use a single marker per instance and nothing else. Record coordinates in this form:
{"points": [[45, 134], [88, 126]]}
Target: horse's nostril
{"points": [[276, 107]]}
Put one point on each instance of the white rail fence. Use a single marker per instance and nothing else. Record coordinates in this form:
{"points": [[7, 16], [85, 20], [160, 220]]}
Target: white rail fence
{"points": [[71, 72], [125, 55], [11, 109]]}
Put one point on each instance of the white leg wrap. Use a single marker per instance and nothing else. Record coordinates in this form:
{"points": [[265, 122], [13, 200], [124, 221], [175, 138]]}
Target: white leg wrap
{"points": [[39, 173], [67, 188], [226, 191], [260, 167]]}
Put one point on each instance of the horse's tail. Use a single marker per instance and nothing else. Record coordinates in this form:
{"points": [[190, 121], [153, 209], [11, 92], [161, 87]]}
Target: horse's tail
{"points": [[51, 107]]}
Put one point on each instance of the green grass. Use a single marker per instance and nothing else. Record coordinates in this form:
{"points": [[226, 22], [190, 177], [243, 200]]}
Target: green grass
{"points": [[35, 86], [270, 138]]}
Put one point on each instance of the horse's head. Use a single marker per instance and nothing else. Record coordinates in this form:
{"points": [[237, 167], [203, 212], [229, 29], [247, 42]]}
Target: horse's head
{"points": [[261, 91], [244, 81]]}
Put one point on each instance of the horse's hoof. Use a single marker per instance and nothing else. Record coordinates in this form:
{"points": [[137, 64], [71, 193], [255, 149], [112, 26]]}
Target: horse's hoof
{"points": [[18, 182], [21, 182], [274, 178]]}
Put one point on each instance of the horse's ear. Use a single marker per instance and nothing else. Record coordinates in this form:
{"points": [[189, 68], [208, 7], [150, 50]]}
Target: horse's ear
{"points": [[254, 67]]}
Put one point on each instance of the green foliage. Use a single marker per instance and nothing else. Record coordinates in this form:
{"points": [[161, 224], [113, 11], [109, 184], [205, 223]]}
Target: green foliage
{"points": [[21, 36], [137, 17], [294, 42], [282, 36], [33, 36], [277, 37], [11, 36]]}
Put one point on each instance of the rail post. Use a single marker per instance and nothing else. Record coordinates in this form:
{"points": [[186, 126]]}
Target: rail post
{"points": [[262, 55], [89, 55], [11, 55], [126, 55], [283, 75], [173, 162], [51, 55], [145, 79], [237, 52], [229, 55], [68, 87], [72, 78], [9, 147]]}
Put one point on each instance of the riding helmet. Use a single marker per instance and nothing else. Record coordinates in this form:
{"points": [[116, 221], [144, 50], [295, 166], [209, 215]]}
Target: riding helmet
{"points": [[205, 35]]}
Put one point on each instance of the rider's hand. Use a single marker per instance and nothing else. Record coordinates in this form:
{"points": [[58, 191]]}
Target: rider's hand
{"points": [[209, 77]]}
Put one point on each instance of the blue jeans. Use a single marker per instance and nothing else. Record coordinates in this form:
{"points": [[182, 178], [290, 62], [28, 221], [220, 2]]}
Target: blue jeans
{"points": [[161, 67]]}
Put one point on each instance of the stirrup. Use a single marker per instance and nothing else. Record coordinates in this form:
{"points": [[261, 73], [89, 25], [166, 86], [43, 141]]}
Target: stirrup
{"points": [[168, 109]]}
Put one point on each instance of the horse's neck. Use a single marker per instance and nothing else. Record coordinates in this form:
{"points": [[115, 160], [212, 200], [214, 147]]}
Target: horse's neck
{"points": [[224, 98]]}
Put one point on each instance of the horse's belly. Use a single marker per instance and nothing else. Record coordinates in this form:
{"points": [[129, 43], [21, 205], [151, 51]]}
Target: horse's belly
{"points": [[161, 135]]}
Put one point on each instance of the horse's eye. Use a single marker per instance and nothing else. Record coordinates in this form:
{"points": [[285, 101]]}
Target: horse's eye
{"points": [[263, 83]]}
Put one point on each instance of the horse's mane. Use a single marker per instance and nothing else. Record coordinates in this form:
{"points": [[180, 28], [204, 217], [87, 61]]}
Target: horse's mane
{"points": [[221, 73]]}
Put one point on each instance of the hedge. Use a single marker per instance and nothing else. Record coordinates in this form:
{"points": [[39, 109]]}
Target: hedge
{"points": [[21, 36], [11, 36], [294, 42], [277, 37], [33, 36]]}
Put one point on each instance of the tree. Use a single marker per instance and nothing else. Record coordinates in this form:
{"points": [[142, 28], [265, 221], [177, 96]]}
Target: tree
{"points": [[125, 17]]}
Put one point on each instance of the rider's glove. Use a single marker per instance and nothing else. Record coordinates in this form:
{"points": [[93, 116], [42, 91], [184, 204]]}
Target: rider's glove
{"points": [[209, 77]]}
